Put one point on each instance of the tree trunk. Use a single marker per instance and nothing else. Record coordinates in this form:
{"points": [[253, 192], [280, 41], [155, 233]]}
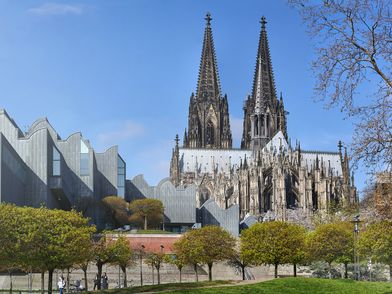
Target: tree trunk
{"points": [[42, 282], [159, 276], [330, 273], [124, 270], [99, 267], [50, 281], [295, 270], [345, 271], [180, 274], [243, 272], [390, 272], [276, 270], [196, 274], [85, 279], [67, 280], [210, 271], [145, 222], [152, 269]]}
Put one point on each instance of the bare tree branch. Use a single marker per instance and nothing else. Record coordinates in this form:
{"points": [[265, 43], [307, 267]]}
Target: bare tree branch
{"points": [[353, 68]]}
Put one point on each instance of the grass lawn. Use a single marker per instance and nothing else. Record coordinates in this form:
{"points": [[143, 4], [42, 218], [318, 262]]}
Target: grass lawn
{"points": [[168, 288], [283, 285]]}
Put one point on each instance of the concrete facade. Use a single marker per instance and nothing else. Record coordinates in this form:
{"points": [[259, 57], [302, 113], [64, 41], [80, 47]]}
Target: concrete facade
{"points": [[181, 210], [39, 168]]}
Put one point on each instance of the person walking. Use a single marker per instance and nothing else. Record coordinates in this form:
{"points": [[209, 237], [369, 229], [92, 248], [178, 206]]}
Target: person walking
{"points": [[105, 284], [61, 284], [96, 282]]}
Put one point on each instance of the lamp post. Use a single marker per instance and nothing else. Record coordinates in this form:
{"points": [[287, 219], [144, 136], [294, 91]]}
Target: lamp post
{"points": [[159, 265], [356, 222], [141, 264]]}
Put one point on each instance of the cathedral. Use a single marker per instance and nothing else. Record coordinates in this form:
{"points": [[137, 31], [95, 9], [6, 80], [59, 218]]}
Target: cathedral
{"points": [[266, 177]]}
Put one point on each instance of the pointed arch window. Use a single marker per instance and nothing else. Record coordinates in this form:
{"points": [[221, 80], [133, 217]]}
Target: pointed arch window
{"points": [[256, 126], [210, 133]]}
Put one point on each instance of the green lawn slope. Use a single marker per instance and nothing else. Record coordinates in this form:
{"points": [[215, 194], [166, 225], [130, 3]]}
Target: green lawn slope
{"points": [[283, 285]]}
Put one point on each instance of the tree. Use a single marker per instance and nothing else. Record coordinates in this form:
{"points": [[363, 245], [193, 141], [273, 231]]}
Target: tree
{"points": [[208, 245], [86, 257], [348, 255], [330, 243], [146, 211], [354, 59], [155, 260], [184, 247], [44, 239], [178, 260], [376, 243], [121, 255], [118, 209], [273, 243], [239, 261], [103, 254], [66, 236], [9, 239], [297, 247]]}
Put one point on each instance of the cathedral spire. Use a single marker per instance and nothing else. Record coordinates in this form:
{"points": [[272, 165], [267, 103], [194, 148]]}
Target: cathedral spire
{"points": [[263, 117], [208, 118], [208, 85], [263, 82]]}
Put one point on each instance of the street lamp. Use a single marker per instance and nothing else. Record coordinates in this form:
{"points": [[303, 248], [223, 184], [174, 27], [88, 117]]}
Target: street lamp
{"points": [[356, 222], [159, 264], [141, 264]]}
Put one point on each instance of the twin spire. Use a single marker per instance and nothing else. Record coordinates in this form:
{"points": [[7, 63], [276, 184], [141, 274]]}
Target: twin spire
{"points": [[208, 118], [208, 85]]}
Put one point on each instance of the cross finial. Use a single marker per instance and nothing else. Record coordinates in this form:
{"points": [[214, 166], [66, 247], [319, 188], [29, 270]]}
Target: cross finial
{"points": [[208, 18], [263, 22]]}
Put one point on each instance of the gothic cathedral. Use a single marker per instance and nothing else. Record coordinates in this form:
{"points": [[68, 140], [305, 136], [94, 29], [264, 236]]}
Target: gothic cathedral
{"points": [[267, 177]]}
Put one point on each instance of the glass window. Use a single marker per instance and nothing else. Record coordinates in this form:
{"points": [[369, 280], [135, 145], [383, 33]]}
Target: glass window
{"points": [[84, 164], [56, 162], [120, 177], [84, 159]]}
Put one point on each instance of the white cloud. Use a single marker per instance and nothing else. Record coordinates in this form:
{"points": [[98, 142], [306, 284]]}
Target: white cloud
{"points": [[124, 131], [56, 9]]}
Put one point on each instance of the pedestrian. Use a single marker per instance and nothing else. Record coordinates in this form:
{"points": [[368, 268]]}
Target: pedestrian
{"points": [[61, 284], [96, 282], [105, 284]]}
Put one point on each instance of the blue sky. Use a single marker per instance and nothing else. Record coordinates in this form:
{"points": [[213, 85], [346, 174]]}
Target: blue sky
{"points": [[121, 72]]}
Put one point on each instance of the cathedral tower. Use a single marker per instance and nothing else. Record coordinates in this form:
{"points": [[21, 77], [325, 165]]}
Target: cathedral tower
{"points": [[264, 114], [208, 119]]}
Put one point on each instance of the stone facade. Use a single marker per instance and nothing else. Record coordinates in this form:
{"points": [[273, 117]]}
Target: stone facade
{"points": [[208, 120], [267, 178]]}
